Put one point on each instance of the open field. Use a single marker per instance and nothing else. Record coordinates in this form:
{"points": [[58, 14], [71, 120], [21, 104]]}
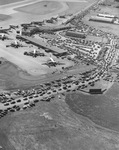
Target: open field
{"points": [[96, 108], [4, 2], [41, 8]]}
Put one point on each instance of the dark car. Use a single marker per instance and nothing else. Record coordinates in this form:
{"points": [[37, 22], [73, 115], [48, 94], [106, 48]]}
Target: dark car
{"points": [[6, 104], [18, 100], [13, 102], [36, 101]]}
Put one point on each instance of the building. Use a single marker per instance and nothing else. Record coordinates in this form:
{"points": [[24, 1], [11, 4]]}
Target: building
{"points": [[95, 91], [45, 29], [37, 42], [101, 19], [106, 15], [75, 34]]}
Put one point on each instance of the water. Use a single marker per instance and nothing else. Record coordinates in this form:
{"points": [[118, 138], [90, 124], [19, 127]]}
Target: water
{"points": [[100, 109]]}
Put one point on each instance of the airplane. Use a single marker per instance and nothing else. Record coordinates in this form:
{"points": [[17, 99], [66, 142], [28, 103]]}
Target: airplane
{"points": [[4, 37], [34, 53], [52, 63], [4, 31], [15, 45], [13, 26]]}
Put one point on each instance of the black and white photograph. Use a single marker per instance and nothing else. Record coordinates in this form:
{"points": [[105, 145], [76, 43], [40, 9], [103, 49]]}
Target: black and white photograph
{"points": [[59, 74]]}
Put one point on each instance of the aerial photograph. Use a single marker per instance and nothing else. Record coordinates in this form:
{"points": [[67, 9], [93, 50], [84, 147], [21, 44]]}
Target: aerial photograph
{"points": [[59, 74]]}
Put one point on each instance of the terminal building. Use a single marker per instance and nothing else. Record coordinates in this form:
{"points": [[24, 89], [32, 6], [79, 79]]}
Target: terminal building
{"points": [[75, 34], [101, 19], [45, 29], [48, 48]]}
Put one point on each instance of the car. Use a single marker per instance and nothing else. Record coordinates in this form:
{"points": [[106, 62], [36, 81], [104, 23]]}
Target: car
{"points": [[74, 90], [25, 99], [12, 110], [65, 88], [30, 97], [4, 113], [59, 89], [6, 104], [68, 90], [36, 101], [35, 96], [54, 91], [17, 109], [1, 110], [9, 100], [52, 96], [24, 107], [8, 108], [48, 92], [26, 103], [18, 101], [48, 99], [69, 86], [13, 102], [3, 101], [14, 106], [32, 104], [39, 92]]}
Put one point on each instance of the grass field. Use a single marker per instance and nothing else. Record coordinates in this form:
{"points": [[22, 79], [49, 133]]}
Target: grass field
{"points": [[97, 108]]}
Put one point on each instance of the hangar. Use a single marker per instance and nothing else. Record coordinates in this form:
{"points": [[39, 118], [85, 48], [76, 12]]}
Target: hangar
{"points": [[76, 34], [101, 19]]}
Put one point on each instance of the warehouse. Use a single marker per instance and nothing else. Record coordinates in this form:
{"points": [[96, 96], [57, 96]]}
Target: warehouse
{"points": [[75, 34], [106, 15], [95, 91], [101, 19]]}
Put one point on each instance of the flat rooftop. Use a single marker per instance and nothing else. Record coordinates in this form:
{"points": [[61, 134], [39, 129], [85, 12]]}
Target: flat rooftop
{"points": [[43, 44]]}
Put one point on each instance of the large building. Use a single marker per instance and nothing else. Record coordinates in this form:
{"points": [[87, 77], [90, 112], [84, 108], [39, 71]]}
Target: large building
{"points": [[101, 19], [106, 15], [75, 34], [37, 42], [33, 30]]}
